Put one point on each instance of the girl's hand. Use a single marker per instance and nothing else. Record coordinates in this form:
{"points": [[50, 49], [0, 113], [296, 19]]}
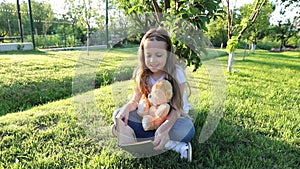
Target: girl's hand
{"points": [[160, 139], [124, 111], [124, 114], [162, 133]]}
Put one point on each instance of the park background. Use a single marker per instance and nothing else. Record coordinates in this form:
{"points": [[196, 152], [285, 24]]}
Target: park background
{"points": [[57, 101], [68, 23]]}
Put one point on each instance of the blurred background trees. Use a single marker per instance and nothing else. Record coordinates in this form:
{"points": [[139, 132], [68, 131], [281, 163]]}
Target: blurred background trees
{"points": [[78, 20]]}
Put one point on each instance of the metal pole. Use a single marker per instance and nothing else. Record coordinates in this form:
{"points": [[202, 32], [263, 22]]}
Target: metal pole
{"points": [[31, 24], [73, 27], [64, 29], [106, 19], [20, 21], [9, 29]]}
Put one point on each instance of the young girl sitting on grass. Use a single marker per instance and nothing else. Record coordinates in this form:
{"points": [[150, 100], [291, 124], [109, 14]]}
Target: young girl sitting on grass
{"points": [[157, 61]]}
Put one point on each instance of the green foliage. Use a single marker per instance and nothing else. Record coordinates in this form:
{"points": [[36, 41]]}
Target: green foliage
{"points": [[259, 128], [189, 43], [8, 18], [267, 45], [188, 38], [258, 29], [244, 23], [232, 44], [57, 40], [283, 32], [294, 41], [184, 20], [217, 31]]}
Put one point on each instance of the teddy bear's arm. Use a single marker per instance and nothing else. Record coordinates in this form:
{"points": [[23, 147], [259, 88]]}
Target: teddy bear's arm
{"points": [[148, 123], [162, 110], [143, 109], [151, 123]]}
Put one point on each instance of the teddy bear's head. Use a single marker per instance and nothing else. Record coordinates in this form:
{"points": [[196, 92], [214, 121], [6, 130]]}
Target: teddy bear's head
{"points": [[161, 92]]}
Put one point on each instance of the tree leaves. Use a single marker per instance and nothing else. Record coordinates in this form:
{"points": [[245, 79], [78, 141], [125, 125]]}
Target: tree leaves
{"points": [[184, 20], [232, 44]]}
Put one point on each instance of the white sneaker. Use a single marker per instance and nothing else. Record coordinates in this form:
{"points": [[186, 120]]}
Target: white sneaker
{"points": [[185, 149], [113, 130], [189, 152]]}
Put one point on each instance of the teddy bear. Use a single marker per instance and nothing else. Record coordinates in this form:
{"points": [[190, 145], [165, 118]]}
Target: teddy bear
{"points": [[155, 108]]}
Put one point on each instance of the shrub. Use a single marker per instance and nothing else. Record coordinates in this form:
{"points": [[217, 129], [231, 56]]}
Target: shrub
{"points": [[267, 45]]}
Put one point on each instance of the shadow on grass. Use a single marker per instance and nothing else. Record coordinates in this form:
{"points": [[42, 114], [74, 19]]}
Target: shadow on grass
{"points": [[229, 147], [20, 97], [275, 65], [236, 147], [273, 60], [285, 54]]}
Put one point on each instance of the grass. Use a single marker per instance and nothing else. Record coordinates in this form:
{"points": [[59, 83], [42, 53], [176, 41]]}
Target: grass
{"points": [[259, 128], [261, 124], [35, 78]]}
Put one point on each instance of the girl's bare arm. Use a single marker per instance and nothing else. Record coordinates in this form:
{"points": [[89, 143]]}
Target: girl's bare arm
{"points": [[130, 106], [162, 133]]}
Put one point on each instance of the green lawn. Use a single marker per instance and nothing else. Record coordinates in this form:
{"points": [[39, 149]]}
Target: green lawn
{"points": [[260, 126], [34, 78]]}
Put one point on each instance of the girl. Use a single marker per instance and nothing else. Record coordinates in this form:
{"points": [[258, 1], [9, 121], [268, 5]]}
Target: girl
{"points": [[156, 61]]}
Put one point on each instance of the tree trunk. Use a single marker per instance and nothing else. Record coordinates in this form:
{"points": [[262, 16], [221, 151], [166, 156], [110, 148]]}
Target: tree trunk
{"points": [[281, 45], [245, 51], [253, 47], [158, 11], [230, 61], [167, 5], [230, 17]]}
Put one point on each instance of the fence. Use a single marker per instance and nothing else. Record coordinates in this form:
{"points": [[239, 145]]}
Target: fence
{"points": [[50, 29]]}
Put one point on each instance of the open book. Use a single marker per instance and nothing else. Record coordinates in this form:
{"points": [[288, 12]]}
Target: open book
{"points": [[142, 148], [128, 142]]}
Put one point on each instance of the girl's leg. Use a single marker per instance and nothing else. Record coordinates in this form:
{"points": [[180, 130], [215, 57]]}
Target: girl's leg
{"points": [[183, 130], [135, 122], [181, 133]]}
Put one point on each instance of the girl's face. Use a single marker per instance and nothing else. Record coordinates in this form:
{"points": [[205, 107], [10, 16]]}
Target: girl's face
{"points": [[155, 55]]}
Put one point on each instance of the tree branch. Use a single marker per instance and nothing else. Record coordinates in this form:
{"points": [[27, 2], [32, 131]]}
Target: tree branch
{"points": [[229, 24], [253, 17], [167, 5], [158, 10]]}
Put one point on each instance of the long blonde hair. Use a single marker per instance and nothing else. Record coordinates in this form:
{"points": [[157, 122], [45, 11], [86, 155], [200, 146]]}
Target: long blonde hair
{"points": [[142, 73]]}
